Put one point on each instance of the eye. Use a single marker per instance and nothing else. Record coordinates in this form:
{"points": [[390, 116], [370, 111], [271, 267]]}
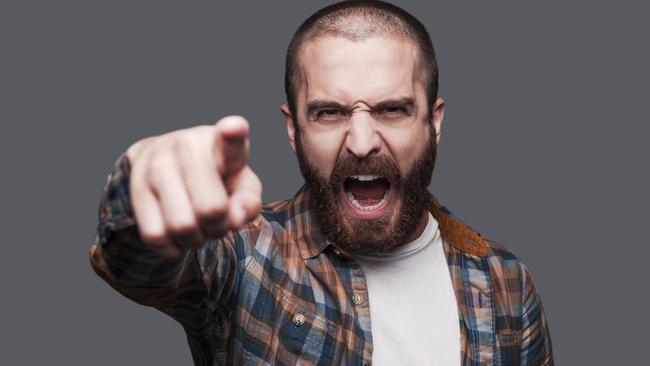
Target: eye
{"points": [[391, 112], [328, 112], [330, 115]]}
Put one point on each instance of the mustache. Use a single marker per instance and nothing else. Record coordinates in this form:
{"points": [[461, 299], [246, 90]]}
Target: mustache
{"points": [[380, 165]]}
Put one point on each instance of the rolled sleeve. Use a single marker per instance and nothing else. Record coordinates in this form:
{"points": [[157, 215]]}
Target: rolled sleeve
{"points": [[118, 254]]}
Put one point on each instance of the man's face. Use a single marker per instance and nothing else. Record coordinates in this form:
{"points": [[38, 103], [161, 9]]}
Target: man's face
{"points": [[365, 144]]}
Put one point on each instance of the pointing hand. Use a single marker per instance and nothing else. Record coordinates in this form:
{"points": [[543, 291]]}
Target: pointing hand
{"points": [[194, 184]]}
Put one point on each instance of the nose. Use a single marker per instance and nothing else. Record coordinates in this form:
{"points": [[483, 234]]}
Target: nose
{"points": [[362, 139]]}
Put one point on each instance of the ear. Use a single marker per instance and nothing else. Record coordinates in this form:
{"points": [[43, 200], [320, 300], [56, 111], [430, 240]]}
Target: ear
{"points": [[438, 115], [291, 128]]}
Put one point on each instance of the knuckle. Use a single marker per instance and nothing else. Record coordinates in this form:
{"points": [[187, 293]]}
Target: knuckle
{"points": [[182, 227], [183, 144], [253, 206], [212, 212], [158, 167], [257, 205], [139, 147], [158, 163], [153, 237]]}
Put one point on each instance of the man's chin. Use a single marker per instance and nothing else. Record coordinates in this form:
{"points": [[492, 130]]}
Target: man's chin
{"points": [[368, 232]]}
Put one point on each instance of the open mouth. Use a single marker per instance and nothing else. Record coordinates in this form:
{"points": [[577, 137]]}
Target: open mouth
{"points": [[367, 196]]}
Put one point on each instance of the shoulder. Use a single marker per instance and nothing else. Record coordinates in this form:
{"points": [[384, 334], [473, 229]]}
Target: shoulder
{"points": [[512, 281], [518, 305], [504, 263]]}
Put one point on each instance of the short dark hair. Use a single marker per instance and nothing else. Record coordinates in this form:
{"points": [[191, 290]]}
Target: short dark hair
{"points": [[358, 20]]}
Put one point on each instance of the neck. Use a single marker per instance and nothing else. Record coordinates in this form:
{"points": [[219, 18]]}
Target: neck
{"points": [[424, 220]]}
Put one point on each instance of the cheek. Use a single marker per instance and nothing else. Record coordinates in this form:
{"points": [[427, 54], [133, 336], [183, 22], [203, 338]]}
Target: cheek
{"points": [[322, 149], [406, 146]]}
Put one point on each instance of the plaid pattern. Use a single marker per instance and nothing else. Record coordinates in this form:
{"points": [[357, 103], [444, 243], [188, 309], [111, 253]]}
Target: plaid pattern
{"points": [[278, 292]]}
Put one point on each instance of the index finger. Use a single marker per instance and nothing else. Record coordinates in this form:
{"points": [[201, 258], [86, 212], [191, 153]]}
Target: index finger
{"points": [[232, 144]]}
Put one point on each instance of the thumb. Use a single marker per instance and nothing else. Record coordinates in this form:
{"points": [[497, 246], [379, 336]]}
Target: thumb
{"points": [[232, 144]]}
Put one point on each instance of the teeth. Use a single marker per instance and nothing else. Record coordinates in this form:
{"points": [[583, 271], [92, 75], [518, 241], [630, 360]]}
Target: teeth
{"points": [[358, 205], [365, 177]]}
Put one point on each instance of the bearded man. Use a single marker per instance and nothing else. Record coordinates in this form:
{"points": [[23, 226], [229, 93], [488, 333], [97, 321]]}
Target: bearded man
{"points": [[362, 265]]}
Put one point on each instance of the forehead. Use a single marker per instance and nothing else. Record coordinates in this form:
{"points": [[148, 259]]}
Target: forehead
{"points": [[369, 70]]}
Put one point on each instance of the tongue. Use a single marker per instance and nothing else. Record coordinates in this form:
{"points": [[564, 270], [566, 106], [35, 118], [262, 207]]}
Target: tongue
{"points": [[363, 190]]}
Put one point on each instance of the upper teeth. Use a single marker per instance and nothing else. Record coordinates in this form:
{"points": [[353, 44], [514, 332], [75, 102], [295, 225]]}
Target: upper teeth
{"points": [[365, 177]]}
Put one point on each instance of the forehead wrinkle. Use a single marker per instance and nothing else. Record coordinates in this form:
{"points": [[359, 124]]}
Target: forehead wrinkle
{"points": [[360, 104], [414, 72]]}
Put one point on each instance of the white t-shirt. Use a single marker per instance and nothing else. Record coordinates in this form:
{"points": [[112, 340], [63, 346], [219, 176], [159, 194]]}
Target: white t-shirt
{"points": [[413, 310]]}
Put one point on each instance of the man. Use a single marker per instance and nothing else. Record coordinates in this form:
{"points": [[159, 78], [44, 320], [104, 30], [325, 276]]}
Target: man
{"points": [[362, 265]]}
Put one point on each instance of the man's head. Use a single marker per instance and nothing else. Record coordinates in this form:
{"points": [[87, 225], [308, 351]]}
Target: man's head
{"points": [[357, 21], [364, 119]]}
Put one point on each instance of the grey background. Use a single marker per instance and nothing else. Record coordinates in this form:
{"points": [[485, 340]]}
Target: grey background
{"points": [[543, 149]]}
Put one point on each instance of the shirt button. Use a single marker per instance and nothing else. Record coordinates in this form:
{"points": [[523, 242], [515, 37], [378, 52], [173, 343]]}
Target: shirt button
{"points": [[357, 299], [298, 319]]}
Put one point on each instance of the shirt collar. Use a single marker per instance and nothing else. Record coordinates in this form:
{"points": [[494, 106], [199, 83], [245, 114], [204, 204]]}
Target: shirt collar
{"points": [[311, 241]]}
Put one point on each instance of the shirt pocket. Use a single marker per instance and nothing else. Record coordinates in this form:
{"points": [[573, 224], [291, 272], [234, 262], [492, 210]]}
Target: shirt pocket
{"points": [[296, 334]]}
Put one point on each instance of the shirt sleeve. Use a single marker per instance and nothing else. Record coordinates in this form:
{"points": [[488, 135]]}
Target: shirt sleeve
{"points": [[536, 347], [185, 288]]}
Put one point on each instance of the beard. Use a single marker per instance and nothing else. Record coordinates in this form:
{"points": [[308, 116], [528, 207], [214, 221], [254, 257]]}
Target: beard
{"points": [[370, 236]]}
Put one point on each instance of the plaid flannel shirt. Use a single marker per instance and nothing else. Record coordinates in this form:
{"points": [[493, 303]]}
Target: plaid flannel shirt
{"points": [[278, 292]]}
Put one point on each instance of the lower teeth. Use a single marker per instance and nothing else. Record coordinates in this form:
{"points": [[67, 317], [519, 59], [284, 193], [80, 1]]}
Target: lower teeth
{"points": [[358, 205]]}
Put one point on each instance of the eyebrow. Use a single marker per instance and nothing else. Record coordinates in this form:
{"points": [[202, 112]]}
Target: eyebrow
{"points": [[317, 104], [408, 103]]}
